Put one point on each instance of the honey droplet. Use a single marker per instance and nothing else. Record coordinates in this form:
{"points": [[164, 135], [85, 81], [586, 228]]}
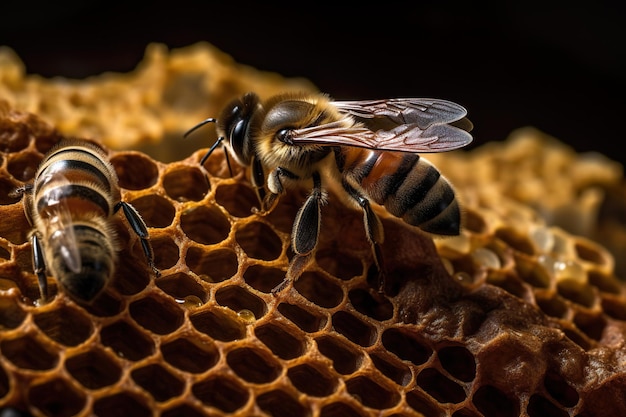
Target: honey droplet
{"points": [[246, 316], [191, 301]]}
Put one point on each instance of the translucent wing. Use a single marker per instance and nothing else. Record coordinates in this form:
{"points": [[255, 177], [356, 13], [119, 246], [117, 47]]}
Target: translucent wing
{"points": [[60, 221], [408, 125]]}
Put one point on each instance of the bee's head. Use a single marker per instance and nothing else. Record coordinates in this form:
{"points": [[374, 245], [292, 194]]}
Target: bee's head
{"points": [[234, 124]]}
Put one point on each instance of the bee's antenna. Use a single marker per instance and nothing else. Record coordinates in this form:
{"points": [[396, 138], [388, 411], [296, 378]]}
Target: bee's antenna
{"points": [[215, 145], [199, 125]]}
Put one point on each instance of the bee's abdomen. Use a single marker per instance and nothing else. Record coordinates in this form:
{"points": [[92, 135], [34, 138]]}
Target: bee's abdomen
{"points": [[97, 256], [408, 186], [78, 177]]}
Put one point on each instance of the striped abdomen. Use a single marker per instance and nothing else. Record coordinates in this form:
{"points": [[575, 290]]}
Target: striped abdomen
{"points": [[72, 199], [409, 187]]}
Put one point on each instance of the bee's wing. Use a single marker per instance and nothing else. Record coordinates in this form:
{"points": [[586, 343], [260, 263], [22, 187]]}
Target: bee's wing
{"points": [[408, 125], [60, 221]]}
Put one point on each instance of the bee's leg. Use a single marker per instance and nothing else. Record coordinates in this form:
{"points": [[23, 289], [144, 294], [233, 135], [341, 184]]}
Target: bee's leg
{"points": [[39, 266], [275, 186], [305, 233], [258, 181], [139, 227], [373, 231]]}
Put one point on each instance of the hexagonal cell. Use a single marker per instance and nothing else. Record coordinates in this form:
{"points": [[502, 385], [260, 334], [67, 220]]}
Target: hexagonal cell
{"points": [[121, 404], [212, 265], [219, 324], [263, 278], [552, 305], [27, 352], [284, 341], [185, 183], [339, 264], [23, 166], [592, 325], [160, 383], [577, 292], [614, 307], [306, 320], [135, 170], [346, 358], [604, 282], [458, 362], [15, 136], [65, 325], [379, 308], [223, 393], [157, 314], [56, 398], [439, 387], [237, 299], [392, 368], [166, 252], [591, 252], [181, 285], [238, 199], [532, 272], [94, 368], [206, 225], [491, 401], [253, 365], [319, 289], [280, 404], [355, 329], [259, 241], [406, 346], [312, 379], [373, 394], [515, 240], [11, 314], [155, 210], [190, 355], [126, 341]]}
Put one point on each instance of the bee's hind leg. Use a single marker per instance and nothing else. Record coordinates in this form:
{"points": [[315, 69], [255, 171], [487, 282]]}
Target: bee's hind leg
{"points": [[39, 266], [305, 234], [373, 231]]}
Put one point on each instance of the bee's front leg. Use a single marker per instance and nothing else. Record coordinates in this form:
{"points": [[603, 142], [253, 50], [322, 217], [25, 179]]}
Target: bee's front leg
{"points": [[275, 186]]}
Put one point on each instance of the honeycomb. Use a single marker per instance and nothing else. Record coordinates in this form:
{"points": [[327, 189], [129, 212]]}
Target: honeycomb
{"points": [[518, 316]]}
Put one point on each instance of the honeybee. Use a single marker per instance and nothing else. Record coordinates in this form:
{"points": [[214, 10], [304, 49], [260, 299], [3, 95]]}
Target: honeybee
{"points": [[70, 204], [369, 147]]}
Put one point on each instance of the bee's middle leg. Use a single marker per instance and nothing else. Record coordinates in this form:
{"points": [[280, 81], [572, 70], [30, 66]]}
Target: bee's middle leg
{"points": [[141, 230], [305, 233], [373, 231]]}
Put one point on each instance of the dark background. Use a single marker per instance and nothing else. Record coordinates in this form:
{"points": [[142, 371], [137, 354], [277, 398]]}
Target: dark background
{"points": [[558, 67]]}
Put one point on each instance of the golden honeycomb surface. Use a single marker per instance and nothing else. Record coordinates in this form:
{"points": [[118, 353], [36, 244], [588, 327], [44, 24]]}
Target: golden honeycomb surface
{"points": [[523, 314]]}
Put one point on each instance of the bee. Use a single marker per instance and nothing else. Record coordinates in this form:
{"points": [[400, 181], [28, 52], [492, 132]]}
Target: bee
{"points": [[70, 204], [369, 147]]}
